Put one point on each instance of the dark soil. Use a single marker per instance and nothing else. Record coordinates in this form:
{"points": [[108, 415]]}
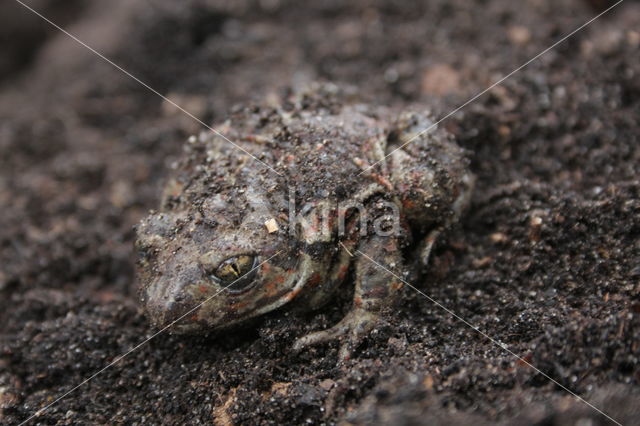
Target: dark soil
{"points": [[547, 260]]}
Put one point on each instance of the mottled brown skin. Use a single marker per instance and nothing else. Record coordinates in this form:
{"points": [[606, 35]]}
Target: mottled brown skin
{"points": [[218, 199]]}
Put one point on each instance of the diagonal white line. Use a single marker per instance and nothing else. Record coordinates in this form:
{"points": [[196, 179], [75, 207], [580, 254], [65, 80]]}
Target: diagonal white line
{"points": [[492, 86], [76, 39], [496, 342], [121, 357], [346, 249]]}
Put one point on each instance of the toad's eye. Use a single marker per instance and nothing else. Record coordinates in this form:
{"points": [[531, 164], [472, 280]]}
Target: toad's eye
{"points": [[237, 273]]}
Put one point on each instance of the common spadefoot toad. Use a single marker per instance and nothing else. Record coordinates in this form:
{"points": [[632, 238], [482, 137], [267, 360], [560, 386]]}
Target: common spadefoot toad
{"points": [[247, 235]]}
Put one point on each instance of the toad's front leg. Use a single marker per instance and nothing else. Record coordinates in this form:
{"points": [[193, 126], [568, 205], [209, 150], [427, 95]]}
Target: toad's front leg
{"points": [[375, 289]]}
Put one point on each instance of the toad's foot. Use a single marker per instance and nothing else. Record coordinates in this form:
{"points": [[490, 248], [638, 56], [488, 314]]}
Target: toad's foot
{"points": [[350, 331], [374, 291]]}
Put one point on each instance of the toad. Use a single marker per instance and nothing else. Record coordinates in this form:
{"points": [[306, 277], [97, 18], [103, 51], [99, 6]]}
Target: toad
{"points": [[314, 189]]}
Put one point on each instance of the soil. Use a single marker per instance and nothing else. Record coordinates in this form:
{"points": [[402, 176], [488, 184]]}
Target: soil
{"points": [[547, 260]]}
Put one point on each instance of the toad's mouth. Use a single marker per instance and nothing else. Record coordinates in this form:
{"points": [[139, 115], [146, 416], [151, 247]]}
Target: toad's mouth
{"points": [[185, 329]]}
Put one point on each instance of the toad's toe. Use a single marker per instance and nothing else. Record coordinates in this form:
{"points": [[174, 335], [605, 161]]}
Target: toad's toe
{"points": [[350, 332]]}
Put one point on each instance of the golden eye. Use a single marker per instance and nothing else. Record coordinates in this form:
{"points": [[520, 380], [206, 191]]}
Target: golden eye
{"points": [[236, 274]]}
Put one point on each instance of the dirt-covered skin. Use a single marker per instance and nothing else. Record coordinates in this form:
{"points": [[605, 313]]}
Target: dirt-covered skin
{"points": [[546, 258], [333, 179]]}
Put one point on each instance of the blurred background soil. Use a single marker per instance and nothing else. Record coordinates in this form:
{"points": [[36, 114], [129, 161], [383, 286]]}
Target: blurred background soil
{"points": [[547, 260]]}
